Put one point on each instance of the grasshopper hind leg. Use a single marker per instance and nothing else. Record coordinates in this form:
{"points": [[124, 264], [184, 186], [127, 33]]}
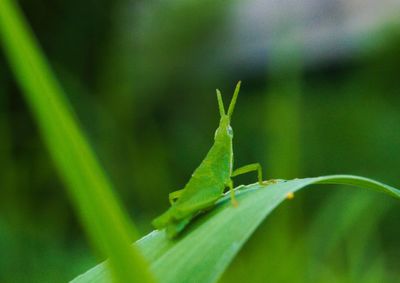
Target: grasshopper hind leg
{"points": [[176, 226]]}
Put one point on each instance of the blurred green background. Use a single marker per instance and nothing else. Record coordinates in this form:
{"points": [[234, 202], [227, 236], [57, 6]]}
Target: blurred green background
{"points": [[320, 95]]}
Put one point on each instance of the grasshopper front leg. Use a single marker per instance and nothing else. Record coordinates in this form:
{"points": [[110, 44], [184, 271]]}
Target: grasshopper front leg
{"points": [[232, 192], [249, 168]]}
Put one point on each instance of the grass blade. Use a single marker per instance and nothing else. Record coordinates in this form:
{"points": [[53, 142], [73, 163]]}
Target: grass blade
{"points": [[101, 215], [210, 243]]}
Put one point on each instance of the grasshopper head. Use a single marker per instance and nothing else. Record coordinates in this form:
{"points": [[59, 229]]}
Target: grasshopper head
{"points": [[224, 128]]}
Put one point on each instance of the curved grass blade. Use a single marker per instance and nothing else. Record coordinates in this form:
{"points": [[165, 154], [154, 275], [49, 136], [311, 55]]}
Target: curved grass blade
{"points": [[101, 214], [210, 243]]}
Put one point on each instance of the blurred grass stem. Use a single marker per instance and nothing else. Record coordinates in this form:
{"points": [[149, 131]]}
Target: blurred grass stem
{"points": [[101, 215]]}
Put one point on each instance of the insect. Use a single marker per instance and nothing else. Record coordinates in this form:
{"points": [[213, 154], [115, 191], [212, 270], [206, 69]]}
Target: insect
{"points": [[208, 182]]}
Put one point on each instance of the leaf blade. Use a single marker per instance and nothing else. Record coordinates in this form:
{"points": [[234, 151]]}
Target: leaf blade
{"points": [[210, 244]]}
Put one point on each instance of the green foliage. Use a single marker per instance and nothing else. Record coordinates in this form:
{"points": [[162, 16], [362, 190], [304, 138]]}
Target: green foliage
{"points": [[204, 251], [101, 215]]}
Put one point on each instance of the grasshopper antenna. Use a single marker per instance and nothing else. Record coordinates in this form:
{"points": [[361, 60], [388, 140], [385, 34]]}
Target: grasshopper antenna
{"points": [[220, 104], [233, 101]]}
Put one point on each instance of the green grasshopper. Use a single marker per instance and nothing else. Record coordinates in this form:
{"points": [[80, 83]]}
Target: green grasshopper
{"points": [[209, 180]]}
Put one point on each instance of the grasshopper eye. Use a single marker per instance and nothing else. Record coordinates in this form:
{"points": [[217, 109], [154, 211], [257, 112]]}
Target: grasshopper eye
{"points": [[229, 131]]}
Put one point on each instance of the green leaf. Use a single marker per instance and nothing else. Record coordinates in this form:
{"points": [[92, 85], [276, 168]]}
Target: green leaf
{"points": [[210, 243], [101, 214]]}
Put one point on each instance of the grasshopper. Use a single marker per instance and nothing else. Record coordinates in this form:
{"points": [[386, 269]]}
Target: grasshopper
{"points": [[208, 182]]}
